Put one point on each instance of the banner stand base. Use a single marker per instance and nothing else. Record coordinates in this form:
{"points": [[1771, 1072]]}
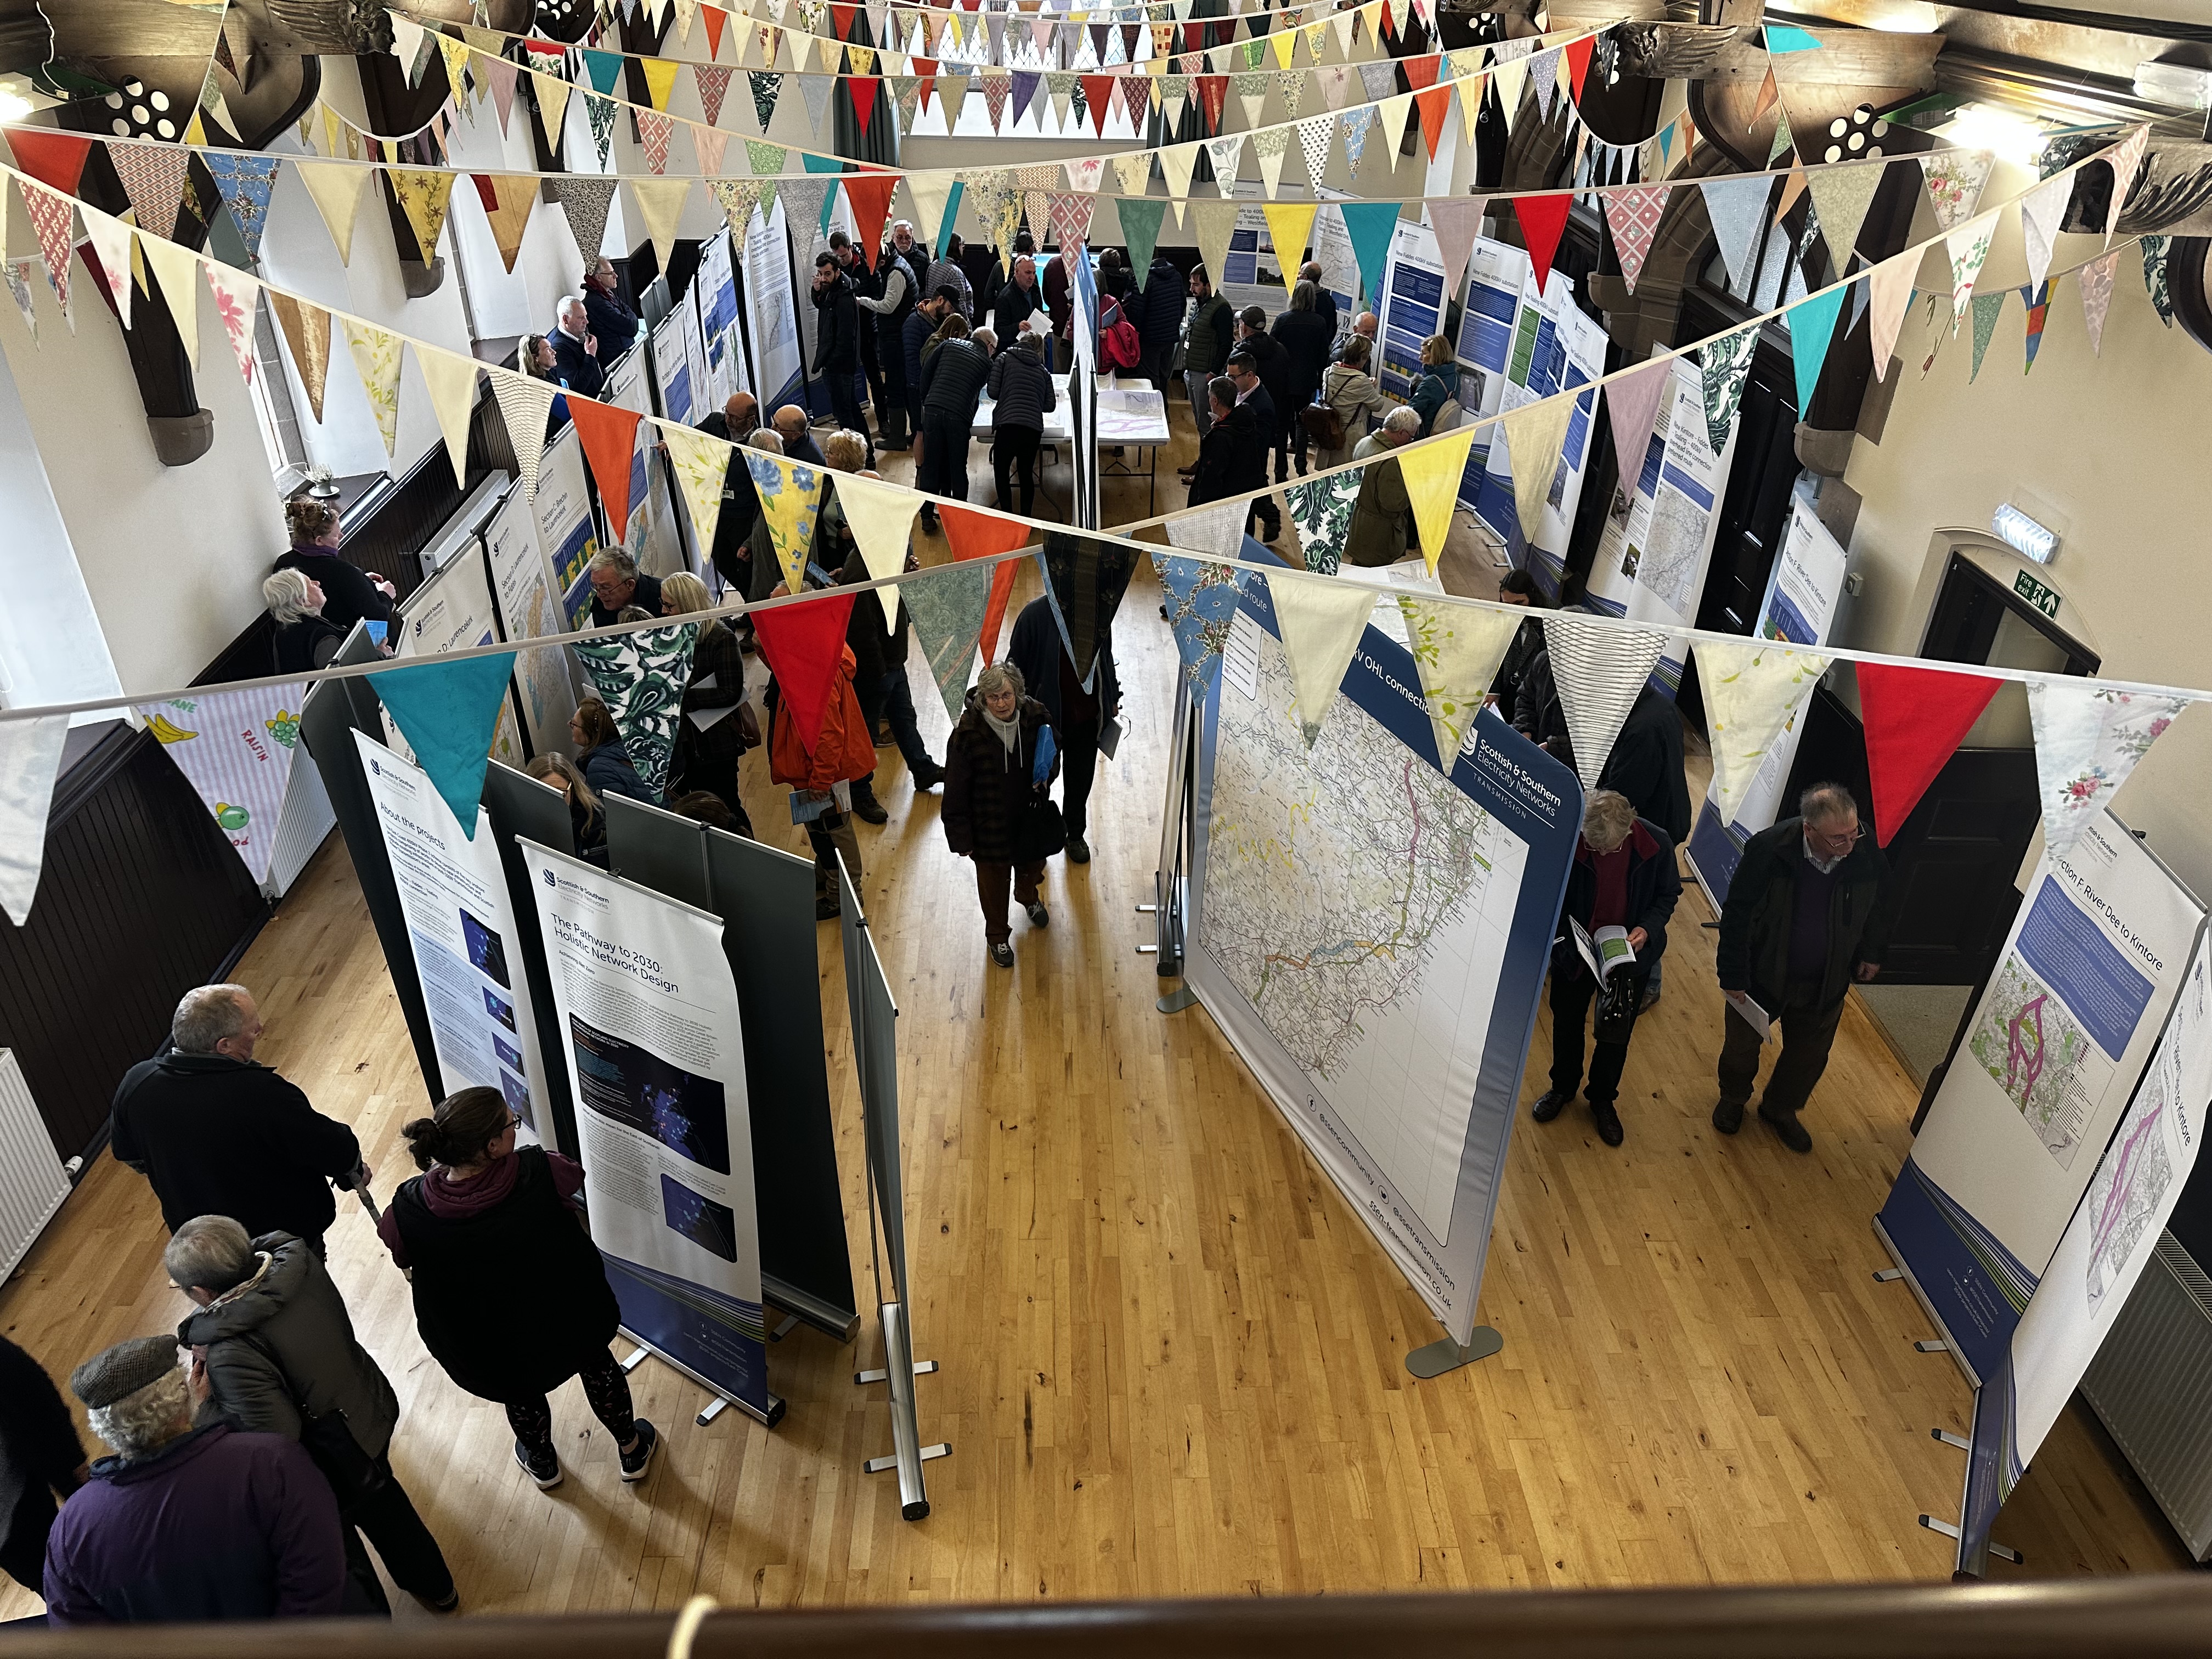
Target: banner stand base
{"points": [[767, 1418], [1944, 1341], [1950, 1531], [1445, 1355], [1175, 1001], [907, 1453]]}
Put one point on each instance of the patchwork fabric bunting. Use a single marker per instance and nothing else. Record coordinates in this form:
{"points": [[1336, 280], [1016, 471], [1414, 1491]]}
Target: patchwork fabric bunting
{"points": [[525, 403], [2037, 302], [641, 677], [376, 357], [585, 201], [1753, 691], [1321, 509], [1632, 215], [1955, 180], [246, 182], [448, 708], [1915, 720], [791, 498], [1600, 673], [30, 760], [1812, 323], [2096, 279], [2087, 739], [152, 177], [1727, 365], [947, 605], [1456, 651], [1085, 577], [1319, 622]]}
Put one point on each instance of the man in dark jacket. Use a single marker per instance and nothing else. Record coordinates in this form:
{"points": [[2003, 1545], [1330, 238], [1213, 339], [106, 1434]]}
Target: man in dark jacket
{"points": [[280, 1355], [219, 1135], [952, 383], [1252, 394], [892, 701], [1205, 347], [39, 1456], [837, 345], [618, 583], [1623, 876], [735, 422], [1307, 338], [921, 323], [575, 350], [1230, 448], [890, 301], [1158, 318], [613, 319], [1018, 300], [1324, 301], [1808, 914], [1278, 374], [185, 1525], [1646, 766], [1078, 715]]}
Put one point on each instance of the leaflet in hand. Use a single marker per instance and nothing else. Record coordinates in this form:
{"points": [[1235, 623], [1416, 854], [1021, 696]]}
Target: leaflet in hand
{"points": [[1606, 950], [1750, 1014]]}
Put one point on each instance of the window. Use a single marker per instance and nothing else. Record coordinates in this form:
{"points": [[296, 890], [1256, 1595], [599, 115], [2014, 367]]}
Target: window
{"points": [[272, 401]]}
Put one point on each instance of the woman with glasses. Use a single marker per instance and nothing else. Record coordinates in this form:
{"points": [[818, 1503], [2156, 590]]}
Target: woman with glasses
{"points": [[510, 1295]]}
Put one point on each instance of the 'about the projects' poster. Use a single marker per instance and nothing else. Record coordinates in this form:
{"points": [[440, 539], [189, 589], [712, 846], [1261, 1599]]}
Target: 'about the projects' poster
{"points": [[1414, 305], [771, 324], [2050, 1059], [657, 1066], [460, 927], [1495, 273]]}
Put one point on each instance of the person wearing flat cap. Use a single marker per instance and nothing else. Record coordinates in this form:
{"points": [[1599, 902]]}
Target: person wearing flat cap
{"points": [[186, 1524]]}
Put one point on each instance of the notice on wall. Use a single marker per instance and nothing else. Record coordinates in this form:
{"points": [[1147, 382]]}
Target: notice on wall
{"points": [[1495, 276], [771, 325], [544, 691], [566, 530], [1803, 591], [452, 610], [2049, 1062], [1555, 348], [656, 1063], [1413, 305], [1372, 933], [461, 927]]}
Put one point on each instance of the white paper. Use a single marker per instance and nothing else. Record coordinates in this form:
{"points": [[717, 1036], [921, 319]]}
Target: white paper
{"points": [[1750, 1014]]}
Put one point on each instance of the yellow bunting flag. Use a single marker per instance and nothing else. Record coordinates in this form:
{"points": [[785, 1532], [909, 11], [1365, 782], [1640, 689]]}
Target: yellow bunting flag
{"points": [[1289, 224], [1319, 620], [1456, 651], [661, 205], [452, 379], [336, 190], [659, 79], [1534, 434], [376, 355], [881, 518], [1432, 472], [516, 195], [424, 197]]}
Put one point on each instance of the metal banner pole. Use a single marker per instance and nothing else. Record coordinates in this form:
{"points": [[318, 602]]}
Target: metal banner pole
{"points": [[1171, 880]]}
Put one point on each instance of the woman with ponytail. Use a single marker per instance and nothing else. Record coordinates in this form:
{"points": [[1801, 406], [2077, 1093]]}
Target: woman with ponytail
{"points": [[511, 1296]]}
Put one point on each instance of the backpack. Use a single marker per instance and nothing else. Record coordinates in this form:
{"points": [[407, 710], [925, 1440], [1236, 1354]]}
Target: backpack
{"points": [[1324, 426], [1118, 344]]}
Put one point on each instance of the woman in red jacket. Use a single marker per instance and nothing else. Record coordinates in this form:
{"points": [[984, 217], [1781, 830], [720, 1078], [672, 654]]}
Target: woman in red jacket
{"points": [[844, 752]]}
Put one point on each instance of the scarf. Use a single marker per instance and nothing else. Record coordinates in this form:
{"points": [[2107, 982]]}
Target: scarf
{"points": [[1009, 731]]}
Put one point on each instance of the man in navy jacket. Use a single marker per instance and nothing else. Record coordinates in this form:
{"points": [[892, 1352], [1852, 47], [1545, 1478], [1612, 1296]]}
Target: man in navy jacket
{"points": [[1077, 715], [575, 348]]}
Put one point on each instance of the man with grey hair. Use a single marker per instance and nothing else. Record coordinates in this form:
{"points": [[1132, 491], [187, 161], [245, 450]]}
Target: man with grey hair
{"points": [[1807, 915], [219, 1135], [617, 584], [279, 1353], [1624, 876], [186, 1524], [576, 350]]}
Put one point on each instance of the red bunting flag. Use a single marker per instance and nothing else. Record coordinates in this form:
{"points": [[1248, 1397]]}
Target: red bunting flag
{"points": [[973, 535], [1577, 55], [862, 90], [1098, 99], [1915, 717], [841, 19], [609, 436], [715, 18], [52, 157], [869, 196], [1542, 219], [805, 644], [1420, 72], [926, 68]]}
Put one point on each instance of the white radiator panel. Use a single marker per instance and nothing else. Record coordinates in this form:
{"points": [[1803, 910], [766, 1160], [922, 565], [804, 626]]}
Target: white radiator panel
{"points": [[32, 1182], [2151, 1382], [305, 822]]}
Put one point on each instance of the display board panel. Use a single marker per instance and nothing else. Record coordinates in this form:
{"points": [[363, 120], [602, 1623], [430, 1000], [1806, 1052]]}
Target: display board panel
{"points": [[544, 686], [771, 324], [1554, 347], [1413, 305], [567, 530]]}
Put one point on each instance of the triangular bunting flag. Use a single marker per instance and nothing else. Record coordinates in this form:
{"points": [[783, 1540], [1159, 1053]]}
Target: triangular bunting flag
{"points": [[1968, 247], [512, 196], [1988, 309], [1140, 229], [791, 498], [176, 272], [2126, 159], [54, 158], [424, 196], [946, 605], [659, 206], [307, 331], [1599, 672], [1432, 471], [525, 403], [1632, 407], [1085, 577], [452, 379], [1289, 226], [1535, 434], [1915, 720], [2042, 212], [1889, 291], [2088, 739], [641, 677], [1176, 161], [236, 748], [376, 357], [585, 200], [881, 518], [1320, 620], [1457, 652], [1955, 179], [2097, 295], [1214, 222], [1727, 365], [1632, 215], [235, 298], [337, 188], [972, 535], [111, 255], [609, 437], [552, 106], [1841, 196], [246, 182], [1737, 208], [447, 709], [152, 177], [30, 760], [804, 645], [1812, 323], [1753, 690], [2037, 302], [1456, 221], [1370, 226], [1542, 218]]}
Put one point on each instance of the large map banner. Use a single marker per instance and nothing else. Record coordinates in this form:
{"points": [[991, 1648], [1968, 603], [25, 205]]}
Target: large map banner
{"points": [[1372, 933]]}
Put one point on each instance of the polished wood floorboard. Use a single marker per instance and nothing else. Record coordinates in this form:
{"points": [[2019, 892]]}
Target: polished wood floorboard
{"points": [[1172, 1356]]}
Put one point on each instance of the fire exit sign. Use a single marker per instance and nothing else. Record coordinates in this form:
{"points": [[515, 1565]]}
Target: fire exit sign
{"points": [[2044, 599]]}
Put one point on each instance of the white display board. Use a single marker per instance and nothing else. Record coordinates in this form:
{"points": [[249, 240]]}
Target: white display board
{"points": [[452, 610], [1677, 546], [1495, 274], [522, 593], [654, 537], [460, 929], [771, 325], [566, 528], [1554, 347], [673, 385], [1413, 309], [717, 284]]}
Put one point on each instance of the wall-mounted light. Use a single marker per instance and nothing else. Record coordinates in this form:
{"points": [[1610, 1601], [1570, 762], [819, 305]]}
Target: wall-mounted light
{"points": [[2035, 542]]}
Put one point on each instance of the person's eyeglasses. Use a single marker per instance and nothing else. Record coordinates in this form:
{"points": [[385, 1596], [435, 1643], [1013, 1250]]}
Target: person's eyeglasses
{"points": [[515, 1120], [1840, 837]]}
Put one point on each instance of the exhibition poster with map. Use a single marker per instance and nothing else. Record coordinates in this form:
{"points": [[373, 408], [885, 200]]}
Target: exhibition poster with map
{"points": [[2112, 1238], [771, 325], [1372, 934], [656, 1061], [1668, 555], [1555, 348], [460, 929], [2049, 1060], [544, 692]]}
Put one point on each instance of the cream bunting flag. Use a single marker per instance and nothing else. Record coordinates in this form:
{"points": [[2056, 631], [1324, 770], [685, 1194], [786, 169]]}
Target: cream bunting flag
{"points": [[2096, 280], [1227, 157], [452, 379], [337, 188], [1343, 23], [1216, 221], [376, 355], [1393, 112], [2088, 739], [1599, 672], [1319, 620], [1889, 291], [1753, 691], [552, 106], [1535, 435], [702, 466], [30, 760], [1134, 171], [1456, 650], [1510, 78], [1968, 247], [929, 191], [1176, 161], [235, 297], [1432, 472], [2041, 212], [881, 518], [111, 250], [659, 205], [176, 269], [526, 403]]}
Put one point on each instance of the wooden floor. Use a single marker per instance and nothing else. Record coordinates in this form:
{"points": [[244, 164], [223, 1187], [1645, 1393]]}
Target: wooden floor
{"points": [[1173, 1356]]}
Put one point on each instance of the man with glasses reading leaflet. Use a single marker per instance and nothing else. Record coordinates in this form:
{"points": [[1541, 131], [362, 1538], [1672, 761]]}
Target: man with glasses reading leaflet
{"points": [[1808, 914]]}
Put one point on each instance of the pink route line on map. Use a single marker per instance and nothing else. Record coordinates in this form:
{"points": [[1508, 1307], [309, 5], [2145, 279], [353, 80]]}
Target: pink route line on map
{"points": [[2016, 1056]]}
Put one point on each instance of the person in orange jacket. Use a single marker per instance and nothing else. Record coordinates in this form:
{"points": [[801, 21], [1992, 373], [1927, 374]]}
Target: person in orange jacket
{"points": [[844, 750]]}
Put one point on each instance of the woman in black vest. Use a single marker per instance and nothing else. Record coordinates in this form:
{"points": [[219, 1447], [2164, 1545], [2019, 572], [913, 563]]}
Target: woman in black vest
{"points": [[510, 1294]]}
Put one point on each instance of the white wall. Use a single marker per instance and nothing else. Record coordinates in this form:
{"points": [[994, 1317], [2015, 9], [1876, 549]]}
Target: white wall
{"points": [[2112, 444]]}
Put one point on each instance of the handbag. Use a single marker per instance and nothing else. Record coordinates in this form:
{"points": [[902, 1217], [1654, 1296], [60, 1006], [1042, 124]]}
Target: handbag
{"points": [[1041, 832], [329, 1443], [1323, 424]]}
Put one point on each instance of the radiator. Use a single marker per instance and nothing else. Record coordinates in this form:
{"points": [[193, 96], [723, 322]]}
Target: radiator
{"points": [[303, 823], [32, 1182], [2151, 1382]]}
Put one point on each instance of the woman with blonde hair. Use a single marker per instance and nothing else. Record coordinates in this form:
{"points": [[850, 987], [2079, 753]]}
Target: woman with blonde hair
{"points": [[706, 756], [1438, 385], [1348, 391], [587, 819]]}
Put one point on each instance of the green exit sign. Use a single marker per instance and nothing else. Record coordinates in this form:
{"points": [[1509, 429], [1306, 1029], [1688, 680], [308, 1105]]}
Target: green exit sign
{"points": [[2044, 599]]}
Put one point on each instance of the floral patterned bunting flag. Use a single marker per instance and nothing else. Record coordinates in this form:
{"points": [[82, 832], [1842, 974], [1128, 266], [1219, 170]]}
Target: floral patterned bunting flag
{"points": [[947, 605], [1321, 509], [641, 677], [1457, 652], [376, 355], [424, 196], [1754, 692], [1727, 365], [791, 498], [1955, 180], [767, 88], [2088, 739], [246, 182], [1969, 247]]}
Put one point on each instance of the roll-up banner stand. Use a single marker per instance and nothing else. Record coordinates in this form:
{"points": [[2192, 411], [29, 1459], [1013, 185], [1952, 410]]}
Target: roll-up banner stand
{"points": [[334, 712], [1413, 309], [2113, 1234], [566, 524], [768, 897], [544, 688], [1554, 347], [1399, 1063], [2050, 1058], [522, 809], [1803, 590], [1495, 273], [657, 1066], [461, 933], [717, 283], [772, 311]]}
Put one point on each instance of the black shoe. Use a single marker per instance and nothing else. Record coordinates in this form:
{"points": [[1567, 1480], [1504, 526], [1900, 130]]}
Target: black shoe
{"points": [[928, 777], [1079, 850], [639, 1458], [541, 1464], [1728, 1116], [1551, 1104], [828, 906], [1608, 1122], [867, 808], [449, 1602], [1650, 1002], [1038, 915], [1785, 1125], [1003, 954]]}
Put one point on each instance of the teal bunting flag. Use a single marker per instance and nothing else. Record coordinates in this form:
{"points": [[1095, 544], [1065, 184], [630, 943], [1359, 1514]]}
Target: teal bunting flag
{"points": [[1370, 225], [1783, 38], [604, 69], [447, 710], [1812, 327], [944, 231]]}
